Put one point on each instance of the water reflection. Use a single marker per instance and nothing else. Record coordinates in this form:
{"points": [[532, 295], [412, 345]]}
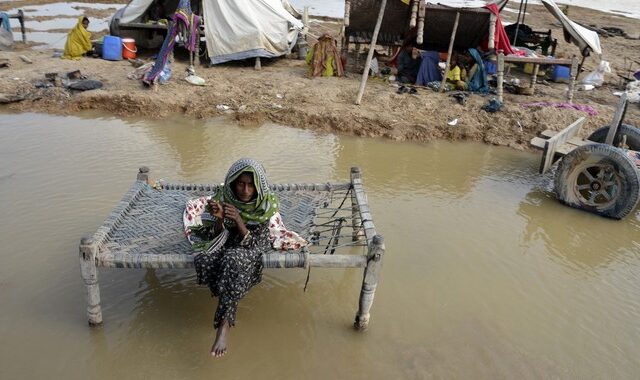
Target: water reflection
{"points": [[574, 237], [486, 275]]}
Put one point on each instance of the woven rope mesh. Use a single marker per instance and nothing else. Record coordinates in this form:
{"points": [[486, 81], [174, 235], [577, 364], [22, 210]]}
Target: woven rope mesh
{"points": [[153, 222]]}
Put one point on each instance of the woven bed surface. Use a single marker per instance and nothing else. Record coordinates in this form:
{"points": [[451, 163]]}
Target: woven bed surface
{"points": [[151, 222]]}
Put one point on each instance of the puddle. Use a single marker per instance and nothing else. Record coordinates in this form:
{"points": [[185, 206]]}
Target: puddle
{"points": [[62, 9], [95, 25], [52, 40]]}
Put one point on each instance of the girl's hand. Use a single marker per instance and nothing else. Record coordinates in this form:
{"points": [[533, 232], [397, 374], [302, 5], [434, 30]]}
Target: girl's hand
{"points": [[231, 212], [216, 209]]}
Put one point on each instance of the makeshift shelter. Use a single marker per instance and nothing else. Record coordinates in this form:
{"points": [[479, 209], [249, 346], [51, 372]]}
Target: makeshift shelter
{"points": [[429, 22], [232, 30]]}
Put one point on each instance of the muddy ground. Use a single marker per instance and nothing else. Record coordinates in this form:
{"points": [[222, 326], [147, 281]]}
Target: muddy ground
{"points": [[283, 93]]}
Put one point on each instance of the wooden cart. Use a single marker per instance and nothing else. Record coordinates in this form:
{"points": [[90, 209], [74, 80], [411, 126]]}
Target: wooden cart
{"points": [[600, 174]]}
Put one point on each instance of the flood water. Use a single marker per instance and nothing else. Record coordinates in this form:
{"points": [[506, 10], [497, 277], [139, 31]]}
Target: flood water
{"points": [[485, 276]]}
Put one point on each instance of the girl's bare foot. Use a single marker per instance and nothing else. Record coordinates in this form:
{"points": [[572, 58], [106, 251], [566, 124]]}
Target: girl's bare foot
{"points": [[219, 347]]}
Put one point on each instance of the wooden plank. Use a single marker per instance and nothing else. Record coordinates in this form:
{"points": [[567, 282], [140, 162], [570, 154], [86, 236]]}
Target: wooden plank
{"points": [[538, 60], [140, 25], [621, 109], [554, 143]]}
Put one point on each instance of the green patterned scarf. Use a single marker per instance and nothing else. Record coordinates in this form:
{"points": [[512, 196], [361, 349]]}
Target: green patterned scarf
{"points": [[265, 204]]}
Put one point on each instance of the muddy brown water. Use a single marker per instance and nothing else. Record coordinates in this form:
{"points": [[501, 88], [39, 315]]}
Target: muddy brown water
{"points": [[486, 275]]}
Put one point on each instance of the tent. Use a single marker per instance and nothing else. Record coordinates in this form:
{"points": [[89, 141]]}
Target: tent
{"points": [[233, 29]]}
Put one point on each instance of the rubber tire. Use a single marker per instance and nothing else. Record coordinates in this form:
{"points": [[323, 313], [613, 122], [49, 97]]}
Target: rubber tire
{"points": [[633, 136], [625, 169]]}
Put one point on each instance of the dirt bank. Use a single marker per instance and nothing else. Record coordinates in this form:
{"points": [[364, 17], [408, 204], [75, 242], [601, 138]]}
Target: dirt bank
{"points": [[282, 92]]}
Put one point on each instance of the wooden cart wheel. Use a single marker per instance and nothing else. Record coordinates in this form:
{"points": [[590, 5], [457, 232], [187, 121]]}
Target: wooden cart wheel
{"points": [[598, 178], [632, 139]]}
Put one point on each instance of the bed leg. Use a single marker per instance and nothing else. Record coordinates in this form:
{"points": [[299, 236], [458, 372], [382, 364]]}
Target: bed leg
{"points": [[356, 221], [369, 282], [90, 278]]}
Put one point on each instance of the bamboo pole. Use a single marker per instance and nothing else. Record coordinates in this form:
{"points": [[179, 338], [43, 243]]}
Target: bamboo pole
{"points": [[369, 282], [89, 274], [450, 51], [374, 39]]}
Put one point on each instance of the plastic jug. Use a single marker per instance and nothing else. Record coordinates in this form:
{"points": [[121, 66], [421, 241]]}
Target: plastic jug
{"points": [[112, 48]]}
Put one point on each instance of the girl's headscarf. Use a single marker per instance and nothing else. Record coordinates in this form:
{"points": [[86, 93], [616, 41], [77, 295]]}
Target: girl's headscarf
{"points": [[263, 206], [78, 41]]}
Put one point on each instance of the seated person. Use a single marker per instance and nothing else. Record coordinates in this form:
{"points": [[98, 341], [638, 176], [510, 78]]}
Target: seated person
{"points": [[408, 65], [457, 75], [323, 58], [78, 40], [242, 223], [429, 71]]}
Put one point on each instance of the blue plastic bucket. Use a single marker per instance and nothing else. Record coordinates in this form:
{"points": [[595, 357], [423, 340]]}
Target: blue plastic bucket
{"points": [[112, 48], [560, 73]]}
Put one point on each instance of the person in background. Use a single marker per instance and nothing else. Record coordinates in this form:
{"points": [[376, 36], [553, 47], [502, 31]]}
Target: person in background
{"points": [[457, 75], [408, 65], [78, 40]]}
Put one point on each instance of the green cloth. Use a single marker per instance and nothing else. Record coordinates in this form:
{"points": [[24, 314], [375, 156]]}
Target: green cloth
{"points": [[265, 204]]}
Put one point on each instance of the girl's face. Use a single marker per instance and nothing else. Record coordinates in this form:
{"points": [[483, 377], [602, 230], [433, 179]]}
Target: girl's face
{"points": [[244, 188], [85, 23]]}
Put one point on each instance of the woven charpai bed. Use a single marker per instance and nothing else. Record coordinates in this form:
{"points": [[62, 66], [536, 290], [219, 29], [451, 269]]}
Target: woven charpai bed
{"points": [[146, 230]]}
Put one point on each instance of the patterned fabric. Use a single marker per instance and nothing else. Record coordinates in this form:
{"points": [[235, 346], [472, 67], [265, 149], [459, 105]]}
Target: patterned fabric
{"points": [[231, 271], [198, 224], [230, 264], [182, 22], [78, 41], [324, 58]]}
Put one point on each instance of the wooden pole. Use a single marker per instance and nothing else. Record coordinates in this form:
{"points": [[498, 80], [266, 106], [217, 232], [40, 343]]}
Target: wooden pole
{"points": [[414, 13], [492, 31], [500, 71], [572, 81], [347, 12], [621, 109], [534, 77], [356, 220], [367, 64], [369, 282], [422, 11], [450, 51], [89, 274]]}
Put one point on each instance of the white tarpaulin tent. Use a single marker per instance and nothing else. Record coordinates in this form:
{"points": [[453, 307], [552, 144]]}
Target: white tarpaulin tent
{"points": [[580, 35], [248, 28], [237, 29]]}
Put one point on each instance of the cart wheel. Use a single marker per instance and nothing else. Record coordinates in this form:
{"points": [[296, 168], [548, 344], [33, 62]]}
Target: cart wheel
{"points": [[598, 178], [632, 133]]}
